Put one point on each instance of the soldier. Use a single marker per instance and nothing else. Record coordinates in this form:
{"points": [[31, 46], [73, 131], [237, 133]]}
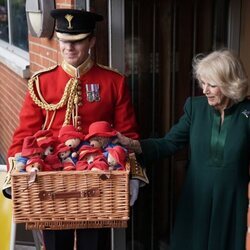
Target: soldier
{"points": [[78, 92]]}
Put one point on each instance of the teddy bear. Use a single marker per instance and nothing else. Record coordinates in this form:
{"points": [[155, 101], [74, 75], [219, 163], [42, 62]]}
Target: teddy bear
{"points": [[117, 157], [64, 154], [101, 135], [34, 164], [46, 141], [71, 138], [52, 162], [91, 158], [30, 152]]}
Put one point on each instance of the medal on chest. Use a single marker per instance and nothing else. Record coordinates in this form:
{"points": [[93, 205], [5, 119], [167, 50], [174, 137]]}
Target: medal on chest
{"points": [[92, 92]]}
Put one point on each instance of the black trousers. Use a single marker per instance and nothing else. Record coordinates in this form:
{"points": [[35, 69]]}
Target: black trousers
{"points": [[86, 239]]}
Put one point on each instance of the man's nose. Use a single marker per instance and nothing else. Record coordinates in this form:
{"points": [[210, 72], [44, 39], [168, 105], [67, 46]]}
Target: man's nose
{"points": [[69, 45]]}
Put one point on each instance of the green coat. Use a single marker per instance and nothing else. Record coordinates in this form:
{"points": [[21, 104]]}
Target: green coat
{"points": [[212, 211]]}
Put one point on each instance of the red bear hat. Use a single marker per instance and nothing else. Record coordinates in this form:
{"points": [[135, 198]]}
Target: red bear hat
{"points": [[119, 153], [45, 138], [30, 146], [35, 161], [86, 149], [100, 128], [52, 162], [62, 148], [69, 132]]}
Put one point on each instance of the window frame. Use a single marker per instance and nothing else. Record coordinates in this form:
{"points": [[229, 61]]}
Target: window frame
{"points": [[11, 56]]}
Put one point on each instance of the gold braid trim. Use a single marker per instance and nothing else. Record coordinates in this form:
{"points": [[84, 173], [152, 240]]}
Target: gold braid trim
{"points": [[69, 97], [71, 101], [42, 103]]}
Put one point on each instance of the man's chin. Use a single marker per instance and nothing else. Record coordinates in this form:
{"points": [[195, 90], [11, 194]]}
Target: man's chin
{"points": [[72, 62]]}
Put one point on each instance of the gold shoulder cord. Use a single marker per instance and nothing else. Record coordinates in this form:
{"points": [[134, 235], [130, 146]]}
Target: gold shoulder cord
{"points": [[42, 103], [69, 96], [71, 101]]}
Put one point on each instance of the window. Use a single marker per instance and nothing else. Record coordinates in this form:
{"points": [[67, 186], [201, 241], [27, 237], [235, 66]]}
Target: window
{"points": [[13, 24]]}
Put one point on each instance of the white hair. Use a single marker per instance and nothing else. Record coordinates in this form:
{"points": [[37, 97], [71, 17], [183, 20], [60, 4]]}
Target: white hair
{"points": [[225, 70]]}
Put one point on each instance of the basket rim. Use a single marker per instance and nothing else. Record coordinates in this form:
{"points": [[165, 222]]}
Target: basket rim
{"points": [[77, 172]]}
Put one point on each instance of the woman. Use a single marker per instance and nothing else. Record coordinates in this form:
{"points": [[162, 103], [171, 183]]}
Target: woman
{"points": [[212, 211]]}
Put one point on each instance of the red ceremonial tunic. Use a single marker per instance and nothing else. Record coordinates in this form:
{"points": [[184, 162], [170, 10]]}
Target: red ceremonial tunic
{"points": [[114, 105]]}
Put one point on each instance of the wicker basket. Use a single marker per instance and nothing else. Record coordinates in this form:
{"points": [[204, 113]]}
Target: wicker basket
{"points": [[71, 199]]}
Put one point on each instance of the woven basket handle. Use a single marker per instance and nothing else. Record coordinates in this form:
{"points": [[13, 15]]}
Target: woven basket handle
{"points": [[46, 195]]}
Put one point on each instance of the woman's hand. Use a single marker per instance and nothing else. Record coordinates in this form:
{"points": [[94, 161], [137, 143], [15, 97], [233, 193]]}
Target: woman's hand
{"points": [[129, 143], [123, 140]]}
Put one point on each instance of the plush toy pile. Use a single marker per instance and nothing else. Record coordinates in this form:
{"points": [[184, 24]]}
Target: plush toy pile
{"points": [[71, 150]]}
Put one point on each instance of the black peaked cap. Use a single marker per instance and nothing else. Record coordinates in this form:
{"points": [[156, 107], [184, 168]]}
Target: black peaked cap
{"points": [[74, 21]]}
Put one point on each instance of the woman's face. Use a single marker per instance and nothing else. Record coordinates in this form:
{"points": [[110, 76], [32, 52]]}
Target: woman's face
{"points": [[75, 53], [214, 95]]}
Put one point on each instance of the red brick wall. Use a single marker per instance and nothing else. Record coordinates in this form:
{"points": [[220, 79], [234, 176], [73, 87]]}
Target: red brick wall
{"points": [[12, 92], [43, 53]]}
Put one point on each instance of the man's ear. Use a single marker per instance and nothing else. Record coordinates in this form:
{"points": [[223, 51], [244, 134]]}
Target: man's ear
{"points": [[92, 42]]}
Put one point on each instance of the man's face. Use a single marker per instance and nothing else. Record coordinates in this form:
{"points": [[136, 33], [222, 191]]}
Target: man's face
{"points": [[75, 53]]}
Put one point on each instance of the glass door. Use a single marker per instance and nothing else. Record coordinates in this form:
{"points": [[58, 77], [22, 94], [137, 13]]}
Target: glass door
{"points": [[153, 42], [161, 38]]}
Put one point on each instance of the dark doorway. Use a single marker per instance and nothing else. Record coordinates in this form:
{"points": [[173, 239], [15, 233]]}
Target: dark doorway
{"points": [[161, 38]]}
